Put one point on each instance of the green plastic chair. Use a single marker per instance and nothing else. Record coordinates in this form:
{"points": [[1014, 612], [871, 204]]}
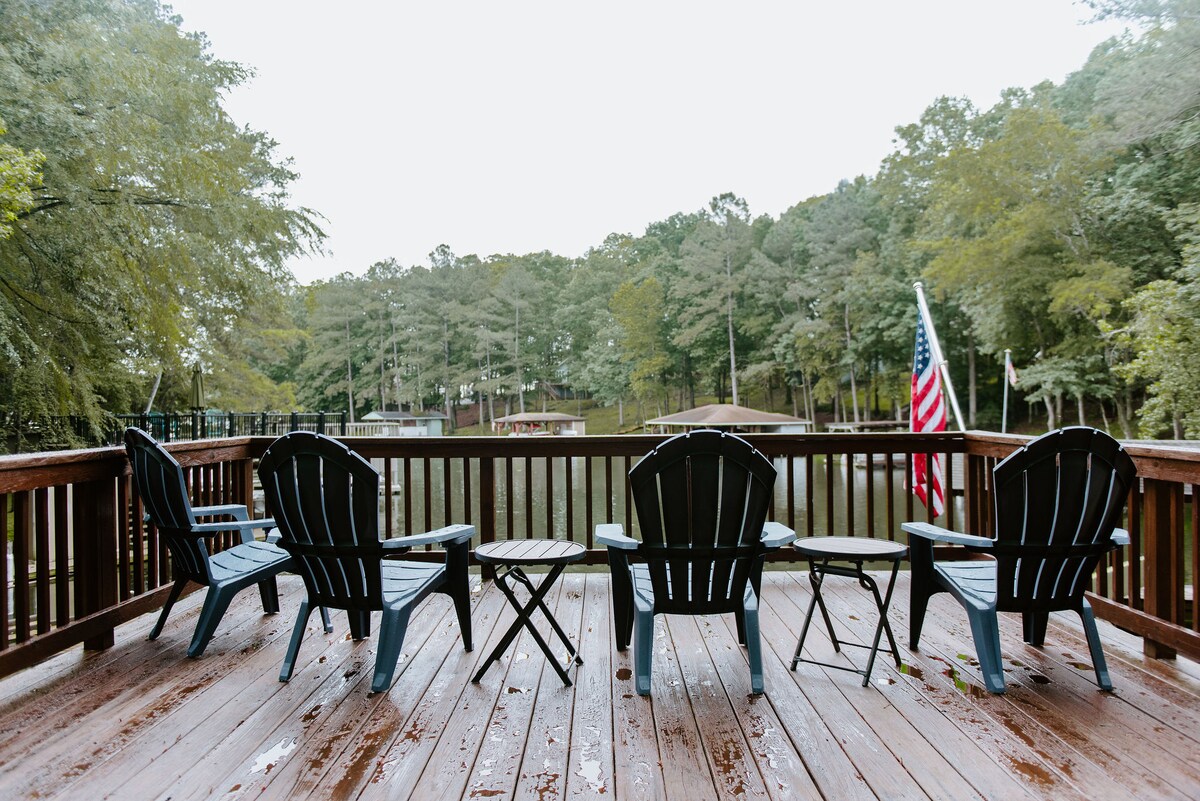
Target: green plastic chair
{"points": [[164, 493], [1057, 503], [326, 504], [702, 500]]}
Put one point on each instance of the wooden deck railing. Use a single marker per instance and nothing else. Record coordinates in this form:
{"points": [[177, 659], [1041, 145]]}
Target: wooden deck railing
{"points": [[77, 561]]}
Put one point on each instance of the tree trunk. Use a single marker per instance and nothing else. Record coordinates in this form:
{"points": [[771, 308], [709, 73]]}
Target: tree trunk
{"points": [[729, 325], [1050, 426], [853, 385], [1177, 425], [1058, 406], [1079, 405], [621, 412], [349, 373]]}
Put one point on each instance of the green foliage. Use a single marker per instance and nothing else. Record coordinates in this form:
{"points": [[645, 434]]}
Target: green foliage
{"points": [[156, 222]]}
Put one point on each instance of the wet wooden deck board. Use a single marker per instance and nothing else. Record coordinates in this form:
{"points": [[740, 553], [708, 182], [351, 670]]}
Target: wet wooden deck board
{"points": [[141, 720]]}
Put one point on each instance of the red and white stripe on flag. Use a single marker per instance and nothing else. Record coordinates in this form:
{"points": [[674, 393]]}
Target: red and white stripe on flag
{"points": [[928, 413]]}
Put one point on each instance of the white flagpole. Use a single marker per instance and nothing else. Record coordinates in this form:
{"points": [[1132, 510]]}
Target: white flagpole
{"points": [[936, 348], [1004, 418]]}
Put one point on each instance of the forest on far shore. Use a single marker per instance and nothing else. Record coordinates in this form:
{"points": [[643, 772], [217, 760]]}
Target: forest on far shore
{"points": [[142, 231]]}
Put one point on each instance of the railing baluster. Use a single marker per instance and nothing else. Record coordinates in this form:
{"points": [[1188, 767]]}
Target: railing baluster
{"points": [[41, 528], [407, 495], [608, 490], [889, 490], [387, 498], [949, 490], [628, 494], [829, 471], [466, 471], [849, 461], [587, 503], [791, 492], [62, 567], [427, 475], [21, 546], [870, 490], [569, 491], [810, 503], [549, 497], [510, 499], [528, 497], [447, 496]]}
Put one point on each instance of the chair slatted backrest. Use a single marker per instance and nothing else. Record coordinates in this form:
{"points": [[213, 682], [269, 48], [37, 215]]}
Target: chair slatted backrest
{"points": [[325, 501], [1057, 501], [701, 501], [164, 493]]}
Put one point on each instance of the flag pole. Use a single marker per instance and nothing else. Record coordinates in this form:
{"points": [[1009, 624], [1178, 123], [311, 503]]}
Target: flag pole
{"points": [[1004, 378], [936, 349]]}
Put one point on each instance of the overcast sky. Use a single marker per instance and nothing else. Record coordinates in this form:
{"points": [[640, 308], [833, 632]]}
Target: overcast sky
{"points": [[510, 127]]}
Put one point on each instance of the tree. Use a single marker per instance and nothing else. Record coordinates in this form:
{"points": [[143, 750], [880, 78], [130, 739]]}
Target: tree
{"points": [[714, 256], [157, 220]]}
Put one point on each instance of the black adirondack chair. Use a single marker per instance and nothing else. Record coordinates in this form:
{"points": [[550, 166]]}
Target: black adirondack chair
{"points": [[1057, 504], [702, 500], [164, 493], [325, 499]]}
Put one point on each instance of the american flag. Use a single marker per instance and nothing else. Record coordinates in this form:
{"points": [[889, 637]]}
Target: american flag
{"points": [[928, 413]]}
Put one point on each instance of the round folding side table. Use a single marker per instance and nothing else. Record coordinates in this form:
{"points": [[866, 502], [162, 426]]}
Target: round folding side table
{"points": [[820, 551], [510, 556]]}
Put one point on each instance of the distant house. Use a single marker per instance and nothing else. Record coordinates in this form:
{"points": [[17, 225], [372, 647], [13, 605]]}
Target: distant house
{"points": [[398, 424], [539, 423], [732, 417]]}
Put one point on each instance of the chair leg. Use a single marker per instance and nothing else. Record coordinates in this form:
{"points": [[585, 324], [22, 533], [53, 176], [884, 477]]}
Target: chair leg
{"points": [[360, 623], [643, 649], [739, 618], [986, 632], [458, 587], [462, 605], [215, 603], [172, 597], [391, 640], [325, 621], [1034, 624], [754, 651], [1093, 638], [922, 585], [622, 597], [268, 591], [289, 659]]}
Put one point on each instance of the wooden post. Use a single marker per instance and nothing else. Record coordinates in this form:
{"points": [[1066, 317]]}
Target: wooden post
{"points": [[1163, 533], [95, 523]]}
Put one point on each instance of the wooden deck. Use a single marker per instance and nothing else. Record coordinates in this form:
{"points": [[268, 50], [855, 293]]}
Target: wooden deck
{"points": [[141, 721]]}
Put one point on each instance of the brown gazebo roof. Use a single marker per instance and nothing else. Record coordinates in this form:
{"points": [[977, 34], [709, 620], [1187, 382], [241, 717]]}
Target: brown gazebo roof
{"points": [[718, 415], [539, 417]]}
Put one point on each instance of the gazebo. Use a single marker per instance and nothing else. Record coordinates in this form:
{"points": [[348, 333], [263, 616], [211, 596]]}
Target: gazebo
{"points": [[532, 423], [733, 417]]}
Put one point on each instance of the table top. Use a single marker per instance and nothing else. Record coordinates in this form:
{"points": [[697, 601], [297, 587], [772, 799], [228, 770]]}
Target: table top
{"points": [[530, 552], [851, 548]]}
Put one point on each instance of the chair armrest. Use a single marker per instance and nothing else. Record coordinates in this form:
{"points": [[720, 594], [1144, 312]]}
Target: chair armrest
{"points": [[235, 510], [776, 535], [931, 532], [450, 535], [1120, 536], [274, 536], [244, 526], [612, 535]]}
